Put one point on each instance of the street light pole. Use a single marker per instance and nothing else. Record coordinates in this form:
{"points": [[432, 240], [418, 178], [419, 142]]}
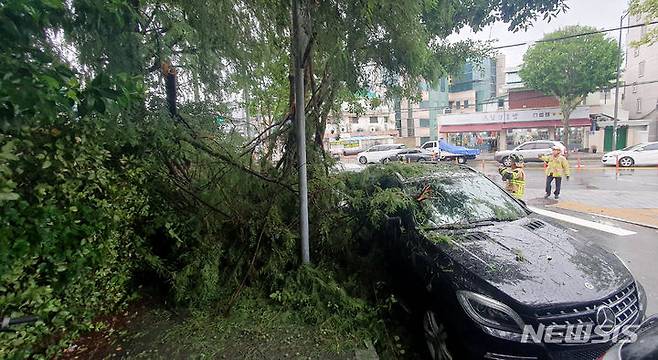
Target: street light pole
{"points": [[614, 124], [301, 131]]}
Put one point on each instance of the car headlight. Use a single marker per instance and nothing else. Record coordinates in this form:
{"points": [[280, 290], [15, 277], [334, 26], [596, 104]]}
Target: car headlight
{"points": [[495, 318]]}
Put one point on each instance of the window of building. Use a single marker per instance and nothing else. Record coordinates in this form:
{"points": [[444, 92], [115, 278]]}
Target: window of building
{"points": [[501, 103], [451, 104], [424, 104], [424, 139], [465, 104], [636, 52], [458, 104], [354, 120], [640, 72], [374, 120], [634, 88], [424, 123], [639, 106]]}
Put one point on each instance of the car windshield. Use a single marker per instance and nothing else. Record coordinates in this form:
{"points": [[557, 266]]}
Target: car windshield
{"points": [[632, 147], [461, 199]]}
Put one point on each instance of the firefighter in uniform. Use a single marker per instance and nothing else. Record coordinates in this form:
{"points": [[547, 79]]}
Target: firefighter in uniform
{"points": [[514, 176]]}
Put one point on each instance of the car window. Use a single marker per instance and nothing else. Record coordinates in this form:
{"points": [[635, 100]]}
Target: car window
{"points": [[544, 145], [463, 199], [529, 146], [651, 147], [428, 145], [413, 152]]}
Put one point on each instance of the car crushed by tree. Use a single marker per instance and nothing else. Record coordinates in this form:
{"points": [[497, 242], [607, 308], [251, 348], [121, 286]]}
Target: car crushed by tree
{"points": [[487, 277]]}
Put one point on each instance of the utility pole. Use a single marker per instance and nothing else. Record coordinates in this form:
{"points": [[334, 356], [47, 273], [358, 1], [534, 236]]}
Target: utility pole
{"points": [[247, 118], [301, 129], [614, 124]]}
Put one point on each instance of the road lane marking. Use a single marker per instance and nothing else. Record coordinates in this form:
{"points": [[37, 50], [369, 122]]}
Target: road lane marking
{"points": [[582, 222]]}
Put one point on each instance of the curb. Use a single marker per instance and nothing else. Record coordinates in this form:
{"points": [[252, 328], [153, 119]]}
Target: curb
{"points": [[637, 223]]}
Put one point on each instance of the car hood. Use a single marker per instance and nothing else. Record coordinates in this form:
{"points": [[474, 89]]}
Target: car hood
{"points": [[537, 264], [502, 152], [614, 153]]}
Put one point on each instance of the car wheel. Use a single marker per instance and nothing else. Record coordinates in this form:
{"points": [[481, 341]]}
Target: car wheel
{"points": [[421, 159], [436, 337], [626, 161], [363, 160], [507, 161], [386, 160], [461, 160]]}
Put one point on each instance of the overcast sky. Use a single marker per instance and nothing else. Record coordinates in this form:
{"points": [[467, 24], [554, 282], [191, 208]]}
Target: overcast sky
{"points": [[602, 14]]}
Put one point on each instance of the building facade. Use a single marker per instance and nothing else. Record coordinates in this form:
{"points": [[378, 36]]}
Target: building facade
{"points": [[473, 89], [641, 82]]}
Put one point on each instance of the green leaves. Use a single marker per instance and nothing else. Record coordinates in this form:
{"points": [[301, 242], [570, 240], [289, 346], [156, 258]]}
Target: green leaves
{"points": [[647, 10], [571, 67]]}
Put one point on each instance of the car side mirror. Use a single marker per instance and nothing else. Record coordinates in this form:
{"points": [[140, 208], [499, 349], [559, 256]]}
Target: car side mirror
{"points": [[393, 222], [393, 229]]}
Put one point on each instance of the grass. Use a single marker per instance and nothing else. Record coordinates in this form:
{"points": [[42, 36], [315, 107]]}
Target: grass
{"points": [[255, 329]]}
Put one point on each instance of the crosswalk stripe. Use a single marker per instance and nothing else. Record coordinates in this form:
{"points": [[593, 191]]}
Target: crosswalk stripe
{"points": [[582, 222]]}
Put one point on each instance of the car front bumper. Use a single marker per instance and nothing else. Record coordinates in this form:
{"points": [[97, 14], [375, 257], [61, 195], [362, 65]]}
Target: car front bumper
{"points": [[484, 346], [481, 344]]}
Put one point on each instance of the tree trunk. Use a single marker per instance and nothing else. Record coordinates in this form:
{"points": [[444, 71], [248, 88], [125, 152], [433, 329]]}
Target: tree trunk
{"points": [[568, 105], [566, 127]]}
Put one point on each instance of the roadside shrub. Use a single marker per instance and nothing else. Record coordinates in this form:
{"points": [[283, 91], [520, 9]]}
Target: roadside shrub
{"points": [[67, 244]]}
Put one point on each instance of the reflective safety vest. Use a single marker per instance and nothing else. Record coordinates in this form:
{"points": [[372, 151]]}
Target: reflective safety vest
{"points": [[556, 166], [515, 179]]}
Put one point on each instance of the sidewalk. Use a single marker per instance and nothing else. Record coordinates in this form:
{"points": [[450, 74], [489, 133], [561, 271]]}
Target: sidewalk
{"points": [[639, 208]]}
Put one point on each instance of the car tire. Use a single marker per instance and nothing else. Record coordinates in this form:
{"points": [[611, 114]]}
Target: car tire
{"points": [[626, 161], [506, 161], [386, 160], [421, 159], [461, 160], [363, 160], [436, 337]]}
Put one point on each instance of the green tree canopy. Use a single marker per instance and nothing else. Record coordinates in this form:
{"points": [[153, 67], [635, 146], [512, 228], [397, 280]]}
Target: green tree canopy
{"points": [[569, 66]]}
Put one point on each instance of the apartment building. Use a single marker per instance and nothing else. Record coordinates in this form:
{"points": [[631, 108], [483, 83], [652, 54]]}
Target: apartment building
{"points": [[641, 80]]}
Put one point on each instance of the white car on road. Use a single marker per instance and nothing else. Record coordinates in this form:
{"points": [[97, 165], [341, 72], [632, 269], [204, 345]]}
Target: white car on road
{"points": [[376, 153], [640, 154]]}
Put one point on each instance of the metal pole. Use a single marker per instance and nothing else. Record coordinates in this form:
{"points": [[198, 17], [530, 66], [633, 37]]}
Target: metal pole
{"points": [[246, 112], [614, 124], [301, 132]]}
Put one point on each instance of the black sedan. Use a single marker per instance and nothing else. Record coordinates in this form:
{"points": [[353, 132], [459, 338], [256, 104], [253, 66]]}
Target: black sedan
{"points": [[490, 279]]}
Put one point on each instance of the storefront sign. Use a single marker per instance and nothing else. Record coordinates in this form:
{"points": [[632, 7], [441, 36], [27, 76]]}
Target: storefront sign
{"points": [[498, 117]]}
